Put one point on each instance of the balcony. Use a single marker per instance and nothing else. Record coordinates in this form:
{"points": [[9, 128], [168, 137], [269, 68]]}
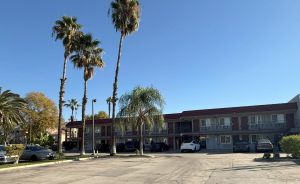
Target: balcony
{"points": [[267, 126], [217, 128], [146, 133]]}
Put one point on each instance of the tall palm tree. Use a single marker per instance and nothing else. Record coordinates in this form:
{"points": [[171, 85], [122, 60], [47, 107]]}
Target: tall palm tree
{"points": [[108, 101], [142, 106], [126, 18], [65, 29], [73, 105], [11, 111], [88, 55]]}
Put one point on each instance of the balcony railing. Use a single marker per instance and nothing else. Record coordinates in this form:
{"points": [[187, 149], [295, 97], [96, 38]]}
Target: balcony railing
{"points": [[146, 133], [216, 128], [267, 126]]}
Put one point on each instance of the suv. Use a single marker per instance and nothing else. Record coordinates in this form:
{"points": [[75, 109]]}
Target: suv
{"points": [[241, 146], [264, 145]]}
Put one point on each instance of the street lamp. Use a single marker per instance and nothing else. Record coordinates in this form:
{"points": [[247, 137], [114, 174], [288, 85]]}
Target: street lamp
{"points": [[93, 101]]}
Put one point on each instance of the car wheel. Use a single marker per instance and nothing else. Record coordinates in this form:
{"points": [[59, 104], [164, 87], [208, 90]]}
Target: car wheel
{"points": [[34, 158]]}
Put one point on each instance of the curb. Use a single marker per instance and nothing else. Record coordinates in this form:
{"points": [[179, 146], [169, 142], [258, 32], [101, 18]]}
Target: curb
{"points": [[45, 164]]}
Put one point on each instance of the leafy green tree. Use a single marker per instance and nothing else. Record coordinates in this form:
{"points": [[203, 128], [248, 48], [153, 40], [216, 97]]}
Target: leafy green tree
{"points": [[99, 115], [88, 55], [73, 105], [126, 18], [11, 112], [44, 139], [41, 114], [142, 106], [67, 30]]}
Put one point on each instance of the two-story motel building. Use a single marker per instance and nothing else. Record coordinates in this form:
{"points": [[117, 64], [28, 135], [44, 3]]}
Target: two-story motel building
{"points": [[219, 127]]}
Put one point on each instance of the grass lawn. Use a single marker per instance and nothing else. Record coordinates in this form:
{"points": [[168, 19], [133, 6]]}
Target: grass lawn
{"points": [[26, 163]]}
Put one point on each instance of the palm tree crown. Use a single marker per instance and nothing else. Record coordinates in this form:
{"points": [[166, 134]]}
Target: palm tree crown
{"points": [[11, 108], [125, 15], [142, 106], [66, 29], [88, 55], [73, 105]]}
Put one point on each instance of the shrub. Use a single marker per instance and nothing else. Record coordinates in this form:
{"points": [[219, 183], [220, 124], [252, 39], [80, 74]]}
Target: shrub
{"points": [[15, 151], [291, 145]]}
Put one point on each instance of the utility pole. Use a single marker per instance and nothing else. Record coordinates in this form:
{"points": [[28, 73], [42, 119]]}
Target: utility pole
{"points": [[93, 101]]}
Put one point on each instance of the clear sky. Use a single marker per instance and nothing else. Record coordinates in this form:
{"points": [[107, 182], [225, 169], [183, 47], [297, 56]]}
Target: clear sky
{"points": [[198, 53]]}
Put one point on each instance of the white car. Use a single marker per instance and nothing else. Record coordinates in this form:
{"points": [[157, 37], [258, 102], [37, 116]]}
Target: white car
{"points": [[4, 158], [189, 146]]}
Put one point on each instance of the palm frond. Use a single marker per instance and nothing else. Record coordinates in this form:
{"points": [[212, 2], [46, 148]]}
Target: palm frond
{"points": [[125, 15]]}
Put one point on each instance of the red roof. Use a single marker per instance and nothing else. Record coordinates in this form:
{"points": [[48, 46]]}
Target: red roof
{"points": [[208, 112], [77, 124], [232, 110]]}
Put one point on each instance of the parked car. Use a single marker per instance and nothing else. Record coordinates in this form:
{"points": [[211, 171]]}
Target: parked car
{"points": [[241, 146], [5, 158], [120, 147], [69, 145], [104, 148], [131, 145], [264, 145], [159, 147], [189, 146], [36, 152]]}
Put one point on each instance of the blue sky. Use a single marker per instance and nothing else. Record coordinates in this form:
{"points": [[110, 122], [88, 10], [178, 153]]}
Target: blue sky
{"points": [[199, 54]]}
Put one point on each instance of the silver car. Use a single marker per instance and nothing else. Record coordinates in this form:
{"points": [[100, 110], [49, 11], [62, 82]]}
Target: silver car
{"points": [[4, 158], [35, 152]]}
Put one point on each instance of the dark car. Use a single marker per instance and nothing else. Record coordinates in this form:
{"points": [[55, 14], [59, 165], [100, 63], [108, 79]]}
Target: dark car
{"points": [[159, 147], [241, 146], [132, 146], [104, 148], [120, 147], [264, 145], [69, 145]]}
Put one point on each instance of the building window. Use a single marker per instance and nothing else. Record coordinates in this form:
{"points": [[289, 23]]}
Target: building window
{"points": [[97, 129], [203, 123], [252, 120], [274, 118], [222, 122], [277, 118], [225, 139]]}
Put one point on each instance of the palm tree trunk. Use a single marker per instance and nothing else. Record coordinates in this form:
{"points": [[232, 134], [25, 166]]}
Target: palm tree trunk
{"points": [[84, 101], [109, 109], [61, 103], [141, 140], [72, 117], [113, 150]]}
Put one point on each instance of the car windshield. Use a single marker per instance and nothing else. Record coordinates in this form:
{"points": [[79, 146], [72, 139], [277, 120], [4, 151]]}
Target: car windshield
{"points": [[36, 148], [264, 141], [2, 148]]}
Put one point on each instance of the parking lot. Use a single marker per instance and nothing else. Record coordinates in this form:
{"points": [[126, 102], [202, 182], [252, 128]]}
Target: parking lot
{"points": [[163, 168]]}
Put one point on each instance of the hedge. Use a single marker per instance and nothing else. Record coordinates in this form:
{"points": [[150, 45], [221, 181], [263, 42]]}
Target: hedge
{"points": [[291, 145]]}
